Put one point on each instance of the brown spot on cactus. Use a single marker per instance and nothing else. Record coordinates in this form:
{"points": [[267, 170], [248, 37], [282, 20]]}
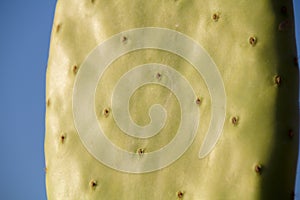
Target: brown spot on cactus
{"points": [[215, 17], [93, 184], [283, 25], [124, 39], [141, 151], [234, 120], [48, 103], [75, 69], [158, 76], [180, 194], [258, 169], [253, 41], [278, 80], [62, 138], [58, 27], [291, 133], [106, 112], [198, 101]]}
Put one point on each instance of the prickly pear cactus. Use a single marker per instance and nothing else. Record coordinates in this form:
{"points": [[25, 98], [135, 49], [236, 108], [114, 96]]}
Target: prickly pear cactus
{"points": [[173, 99]]}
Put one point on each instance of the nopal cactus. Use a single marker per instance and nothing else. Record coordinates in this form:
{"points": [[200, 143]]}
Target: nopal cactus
{"points": [[172, 99]]}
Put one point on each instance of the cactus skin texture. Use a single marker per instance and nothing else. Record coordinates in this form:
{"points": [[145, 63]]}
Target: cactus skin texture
{"points": [[253, 45]]}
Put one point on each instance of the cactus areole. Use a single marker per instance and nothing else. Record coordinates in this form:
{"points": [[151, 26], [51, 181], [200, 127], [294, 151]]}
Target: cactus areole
{"points": [[172, 99]]}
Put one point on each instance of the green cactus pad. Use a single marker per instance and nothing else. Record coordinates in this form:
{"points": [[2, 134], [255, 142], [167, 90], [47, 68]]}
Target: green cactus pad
{"points": [[172, 99]]}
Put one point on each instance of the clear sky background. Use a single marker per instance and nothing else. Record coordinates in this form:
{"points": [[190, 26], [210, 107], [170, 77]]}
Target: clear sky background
{"points": [[25, 28]]}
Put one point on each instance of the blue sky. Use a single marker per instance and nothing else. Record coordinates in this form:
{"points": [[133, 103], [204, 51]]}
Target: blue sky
{"points": [[25, 28]]}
